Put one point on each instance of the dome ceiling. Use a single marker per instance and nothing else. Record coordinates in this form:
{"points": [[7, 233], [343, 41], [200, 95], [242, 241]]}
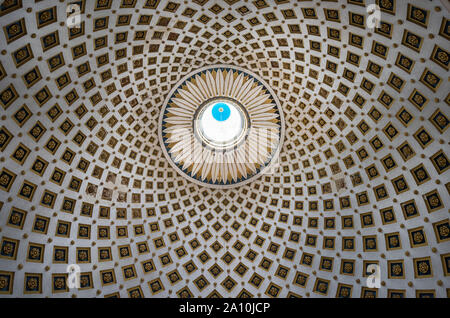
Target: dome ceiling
{"points": [[362, 176]]}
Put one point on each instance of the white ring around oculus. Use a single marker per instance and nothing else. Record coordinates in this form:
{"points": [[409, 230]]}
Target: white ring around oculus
{"points": [[217, 131]]}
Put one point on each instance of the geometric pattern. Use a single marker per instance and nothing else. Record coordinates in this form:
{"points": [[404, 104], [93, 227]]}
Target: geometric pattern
{"points": [[363, 175], [221, 164]]}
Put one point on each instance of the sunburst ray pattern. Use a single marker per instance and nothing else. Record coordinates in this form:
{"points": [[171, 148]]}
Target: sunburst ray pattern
{"points": [[221, 167]]}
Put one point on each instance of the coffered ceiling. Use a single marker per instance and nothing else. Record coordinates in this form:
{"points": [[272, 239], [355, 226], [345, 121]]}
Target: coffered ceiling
{"points": [[362, 177]]}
